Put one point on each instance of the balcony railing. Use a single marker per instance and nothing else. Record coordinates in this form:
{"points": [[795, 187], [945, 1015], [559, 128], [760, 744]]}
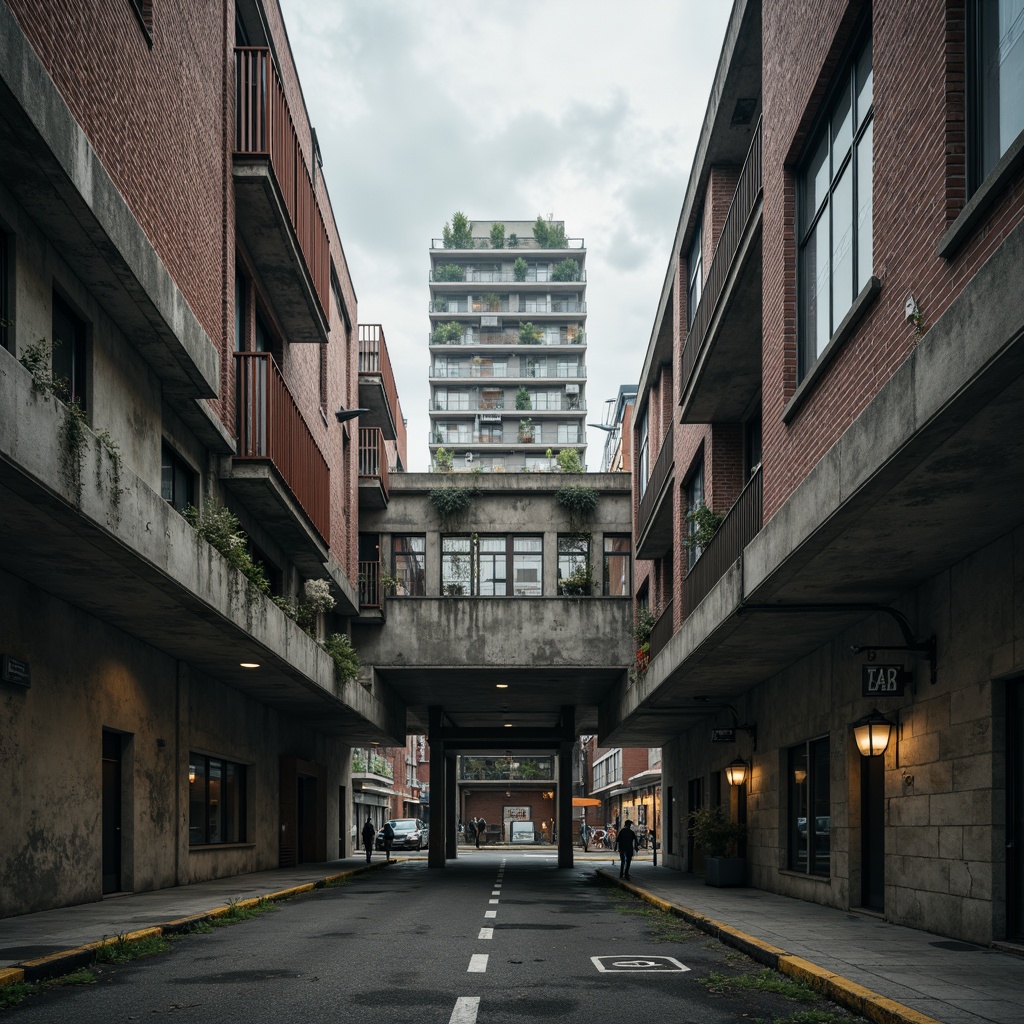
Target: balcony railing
{"points": [[270, 427], [577, 337], [475, 408], [738, 529], [370, 595], [748, 190], [264, 127], [506, 437], [507, 306], [526, 242], [662, 632], [373, 456], [471, 371], [471, 276], [374, 359], [662, 467]]}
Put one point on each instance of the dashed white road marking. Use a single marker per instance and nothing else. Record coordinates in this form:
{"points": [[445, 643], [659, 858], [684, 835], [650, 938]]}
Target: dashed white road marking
{"points": [[477, 963], [496, 892], [494, 901], [490, 913], [486, 933], [465, 1011]]}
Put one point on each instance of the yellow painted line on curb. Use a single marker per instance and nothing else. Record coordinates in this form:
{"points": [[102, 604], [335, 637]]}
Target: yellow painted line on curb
{"points": [[840, 990], [11, 976]]}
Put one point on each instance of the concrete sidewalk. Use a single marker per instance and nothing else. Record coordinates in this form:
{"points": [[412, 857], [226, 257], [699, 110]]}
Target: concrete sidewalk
{"points": [[890, 974]]}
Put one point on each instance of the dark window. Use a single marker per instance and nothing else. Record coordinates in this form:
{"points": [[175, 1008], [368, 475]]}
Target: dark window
{"points": [[216, 801], [809, 824], [409, 557], [694, 497], [68, 353], [5, 301], [177, 480], [695, 276], [835, 208], [573, 563], [643, 456], [996, 81], [752, 445], [617, 565]]}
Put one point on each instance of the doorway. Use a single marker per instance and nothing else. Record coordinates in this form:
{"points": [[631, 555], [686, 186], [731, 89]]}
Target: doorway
{"points": [[1015, 809], [111, 806], [872, 833]]}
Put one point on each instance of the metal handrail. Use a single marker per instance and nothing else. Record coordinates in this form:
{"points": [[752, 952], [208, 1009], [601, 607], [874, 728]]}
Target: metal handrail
{"points": [[526, 242], [744, 201], [662, 631], [374, 360], [270, 427], [370, 595], [471, 276], [373, 456], [663, 466]]}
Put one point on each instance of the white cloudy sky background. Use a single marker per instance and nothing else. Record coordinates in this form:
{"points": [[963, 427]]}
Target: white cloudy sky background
{"points": [[585, 109]]}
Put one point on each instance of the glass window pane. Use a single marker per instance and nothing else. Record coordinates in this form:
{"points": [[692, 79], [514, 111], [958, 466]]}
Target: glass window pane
{"points": [[816, 180], [865, 84], [197, 799], [842, 129], [865, 201], [529, 544], [842, 246], [819, 821], [214, 805], [797, 809], [527, 570], [815, 278]]}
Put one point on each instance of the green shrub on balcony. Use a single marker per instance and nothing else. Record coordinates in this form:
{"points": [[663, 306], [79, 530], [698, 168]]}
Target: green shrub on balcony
{"points": [[446, 334], [706, 523], [523, 403], [490, 302], [460, 234], [579, 583], [346, 661], [497, 236], [566, 270], [444, 460], [549, 235], [520, 268], [449, 272], [219, 527], [569, 461], [530, 334]]}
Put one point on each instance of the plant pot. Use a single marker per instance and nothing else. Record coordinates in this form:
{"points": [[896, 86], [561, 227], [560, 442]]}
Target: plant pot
{"points": [[724, 872]]}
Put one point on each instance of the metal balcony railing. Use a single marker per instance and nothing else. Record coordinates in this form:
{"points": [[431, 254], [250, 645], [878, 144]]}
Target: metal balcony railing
{"points": [[374, 360], [264, 127], [373, 456], [526, 242], [740, 526], [662, 467], [662, 631], [748, 191], [441, 306], [540, 275], [370, 595], [270, 427], [576, 338]]}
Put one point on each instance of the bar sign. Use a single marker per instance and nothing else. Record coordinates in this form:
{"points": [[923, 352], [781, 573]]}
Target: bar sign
{"points": [[16, 671], [882, 680], [723, 735]]}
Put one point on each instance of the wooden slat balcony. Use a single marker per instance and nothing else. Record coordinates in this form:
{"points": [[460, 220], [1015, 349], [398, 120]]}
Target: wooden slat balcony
{"points": [[740, 526], [654, 515], [373, 468], [279, 471], [721, 358], [276, 210], [377, 389]]}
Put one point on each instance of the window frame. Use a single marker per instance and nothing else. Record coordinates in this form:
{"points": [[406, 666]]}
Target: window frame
{"points": [[693, 499], [813, 758], [811, 347], [627, 554], [415, 563], [237, 802], [568, 560], [78, 381], [643, 453], [478, 555], [171, 460], [695, 271]]}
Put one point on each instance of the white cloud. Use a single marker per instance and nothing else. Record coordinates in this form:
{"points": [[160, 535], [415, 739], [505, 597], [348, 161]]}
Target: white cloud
{"points": [[587, 109]]}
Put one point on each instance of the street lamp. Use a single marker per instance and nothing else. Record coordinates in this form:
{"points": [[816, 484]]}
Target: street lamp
{"points": [[872, 733], [736, 772]]}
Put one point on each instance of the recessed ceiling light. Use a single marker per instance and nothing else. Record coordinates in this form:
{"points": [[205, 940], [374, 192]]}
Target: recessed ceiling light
{"points": [[374, 743], [508, 725], [249, 664], [501, 686]]}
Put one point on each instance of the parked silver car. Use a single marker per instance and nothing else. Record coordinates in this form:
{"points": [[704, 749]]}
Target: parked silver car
{"points": [[410, 834]]}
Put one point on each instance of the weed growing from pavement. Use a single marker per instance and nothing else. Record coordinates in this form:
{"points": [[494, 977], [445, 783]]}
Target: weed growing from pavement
{"points": [[123, 950], [665, 927], [236, 912], [814, 1017], [15, 995], [336, 883], [764, 980]]}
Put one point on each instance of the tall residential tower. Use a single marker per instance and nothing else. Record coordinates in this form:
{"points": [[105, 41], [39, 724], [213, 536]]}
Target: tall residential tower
{"points": [[508, 370]]}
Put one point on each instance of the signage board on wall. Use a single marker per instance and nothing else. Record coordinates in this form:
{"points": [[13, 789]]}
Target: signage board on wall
{"points": [[516, 814], [883, 680], [16, 671], [723, 735]]}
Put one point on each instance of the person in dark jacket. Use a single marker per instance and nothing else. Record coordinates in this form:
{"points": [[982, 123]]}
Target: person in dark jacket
{"points": [[480, 826], [471, 830], [368, 834], [626, 840]]}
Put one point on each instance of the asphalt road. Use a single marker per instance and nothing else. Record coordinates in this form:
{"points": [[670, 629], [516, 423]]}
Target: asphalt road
{"points": [[497, 937]]}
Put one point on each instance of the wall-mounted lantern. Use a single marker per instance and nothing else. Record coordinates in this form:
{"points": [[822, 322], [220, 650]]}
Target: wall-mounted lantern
{"points": [[736, 772], [872, 733]]}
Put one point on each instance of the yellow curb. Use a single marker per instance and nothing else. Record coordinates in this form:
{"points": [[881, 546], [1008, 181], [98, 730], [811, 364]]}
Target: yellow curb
{"points": [[734, 937], [848, 993], [11, 976]]}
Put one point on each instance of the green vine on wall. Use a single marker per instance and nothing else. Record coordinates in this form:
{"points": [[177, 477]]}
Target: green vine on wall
{"points": [[451, 503], [579, 502], [219, 527]]}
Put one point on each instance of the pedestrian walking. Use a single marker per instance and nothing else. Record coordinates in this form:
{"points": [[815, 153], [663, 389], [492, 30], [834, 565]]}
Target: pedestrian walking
{"points": [[480, 826], [471, 830], [626, 839], [585, 835], [389, 838], [368, 835]]}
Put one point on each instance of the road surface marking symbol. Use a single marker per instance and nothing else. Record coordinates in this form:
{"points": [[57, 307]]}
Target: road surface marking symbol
{"points": [[486, 933], [465, 1010], [490, 913], [477, 963], [494, 901], [495, 892], [621, 964]]}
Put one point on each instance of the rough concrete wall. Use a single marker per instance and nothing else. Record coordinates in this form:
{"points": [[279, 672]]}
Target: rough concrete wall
{"points": [[944, 831]]}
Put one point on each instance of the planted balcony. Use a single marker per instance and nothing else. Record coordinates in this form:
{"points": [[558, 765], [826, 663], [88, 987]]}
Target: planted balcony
{"points": [[276, 209], [279, 471]]}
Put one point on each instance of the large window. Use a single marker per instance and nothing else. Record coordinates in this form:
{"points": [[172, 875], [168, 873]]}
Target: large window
{"points": [[216, 801], [643, 456], [996, 68], [485, 565], [695, 276], [809, 821], [409, 557], [694, 497], [835, 204], [177, 480], [617, 565], [68, 352], [573, 562]]}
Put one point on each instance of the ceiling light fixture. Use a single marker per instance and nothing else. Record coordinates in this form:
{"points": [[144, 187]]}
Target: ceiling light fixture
{"points": [[249, 664]]}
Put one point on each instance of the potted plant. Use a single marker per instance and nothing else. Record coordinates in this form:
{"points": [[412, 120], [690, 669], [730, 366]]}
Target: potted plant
{"points": [[523, 403], [718, 835], [489, 302], [530, 334], [520, 267], [642, 629], [579, 583], [526, 431]]}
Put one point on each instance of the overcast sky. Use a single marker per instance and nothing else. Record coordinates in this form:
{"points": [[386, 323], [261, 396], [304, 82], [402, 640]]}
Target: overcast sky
{"points": [[503, 109]]}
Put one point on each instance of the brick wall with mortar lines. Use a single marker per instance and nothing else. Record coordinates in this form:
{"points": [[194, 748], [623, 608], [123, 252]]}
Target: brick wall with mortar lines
{"points": [[916, 108]]}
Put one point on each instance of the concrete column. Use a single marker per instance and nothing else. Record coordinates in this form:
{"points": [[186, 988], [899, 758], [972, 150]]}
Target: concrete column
{"points": [[438, 794], [451, 813], [565, 788]]}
